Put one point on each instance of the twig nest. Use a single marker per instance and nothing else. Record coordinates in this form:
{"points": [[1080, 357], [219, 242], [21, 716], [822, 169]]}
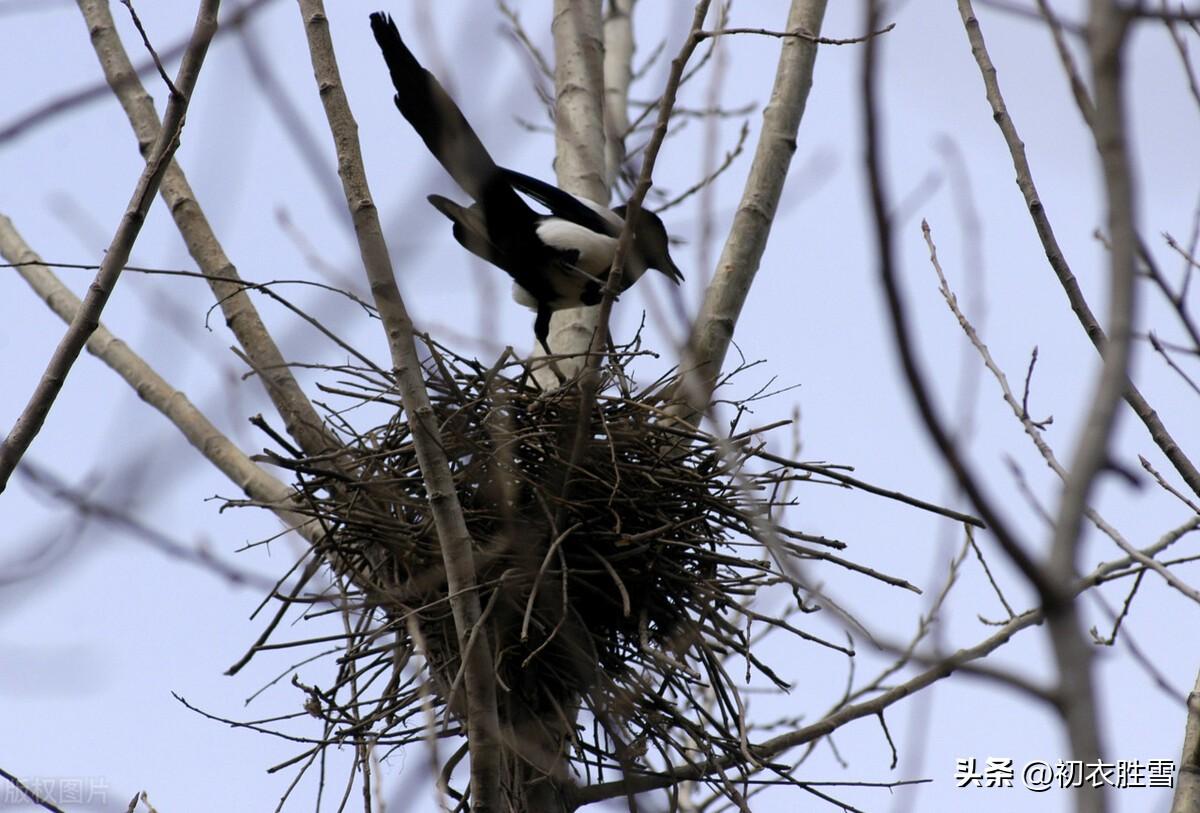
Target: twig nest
{"points": [[616, 583]]}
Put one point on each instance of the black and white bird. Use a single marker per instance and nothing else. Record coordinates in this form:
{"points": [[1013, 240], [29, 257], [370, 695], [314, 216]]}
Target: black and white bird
{"points": [[556, 260]]}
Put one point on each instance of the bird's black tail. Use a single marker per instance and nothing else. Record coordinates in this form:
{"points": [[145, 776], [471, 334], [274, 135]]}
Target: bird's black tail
{"points": [[422, 100]]}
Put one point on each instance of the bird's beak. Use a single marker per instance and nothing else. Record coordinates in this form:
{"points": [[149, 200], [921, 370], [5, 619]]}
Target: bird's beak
{"points": [[668, 267]]}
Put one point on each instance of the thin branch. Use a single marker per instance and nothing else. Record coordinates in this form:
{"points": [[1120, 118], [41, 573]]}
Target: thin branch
{"points": [[712, 332], [522, 36], [898, 320], [47, 112], [1170, 489], [216, 447], [87, 317], [300, 418], [853, 482], [798, 33], [706, 181], [1161, 349], [453, 536], [1184, 58], [162, 72], [1033, 430], [28, 793], [1054, 254], [1187, 793]]}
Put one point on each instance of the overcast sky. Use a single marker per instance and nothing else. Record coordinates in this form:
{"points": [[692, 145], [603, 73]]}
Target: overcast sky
{"points": [[98, 629]]}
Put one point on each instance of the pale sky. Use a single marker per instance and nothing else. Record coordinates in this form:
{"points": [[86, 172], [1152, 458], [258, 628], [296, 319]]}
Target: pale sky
{"points": [[99, 630]]}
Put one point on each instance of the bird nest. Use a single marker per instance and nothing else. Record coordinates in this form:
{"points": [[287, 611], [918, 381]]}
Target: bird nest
{"points": [[615, 582]]}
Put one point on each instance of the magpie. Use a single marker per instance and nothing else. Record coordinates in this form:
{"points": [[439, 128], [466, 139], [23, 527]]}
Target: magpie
{"points": [[557, 260]]}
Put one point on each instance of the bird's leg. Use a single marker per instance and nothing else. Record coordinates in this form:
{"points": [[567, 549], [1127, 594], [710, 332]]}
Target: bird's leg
{"points": [[541, 329]]}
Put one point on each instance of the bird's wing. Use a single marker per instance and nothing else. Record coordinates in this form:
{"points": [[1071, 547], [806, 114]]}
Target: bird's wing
{"points": [[423, 101], [562, 204]]}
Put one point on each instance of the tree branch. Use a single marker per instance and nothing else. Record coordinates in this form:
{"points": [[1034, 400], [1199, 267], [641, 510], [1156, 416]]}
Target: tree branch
{"points": [[1107, 28], [898, 319], [1187, 793], [454, 538], [300, 418], [713, 329], [87, 316], [1041, 221], [153, 389], [579, 149]]}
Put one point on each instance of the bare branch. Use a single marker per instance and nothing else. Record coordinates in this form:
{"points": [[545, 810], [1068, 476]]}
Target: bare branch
{"points": [[799, 33], [1033, 430], [28, 793], [50, 110], [87, 317], [1187, 794], [740, 258], [301, 420], [454, 538], [579, 148], [152, 388], [1054, 254]]}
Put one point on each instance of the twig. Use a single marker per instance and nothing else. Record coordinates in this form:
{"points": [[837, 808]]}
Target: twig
{"points": [[1187, 794], [29, 794], [987, 571], [47, 112], [730, 157], [301, 419], [712, 331], [1170, 489], [1054, 254], [854, 482], [522, 36], [454, 539], [799, 33], [1184, 58], [152, 388], [1179, 371], [1033, 357], [1139, 657], [87, 318], [162, 72]]}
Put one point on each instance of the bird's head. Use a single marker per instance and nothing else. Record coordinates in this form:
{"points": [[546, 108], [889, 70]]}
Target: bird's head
{"points": [[652, 244]]}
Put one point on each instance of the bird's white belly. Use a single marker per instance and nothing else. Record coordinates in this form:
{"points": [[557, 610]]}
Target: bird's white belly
{"points": [[595, 259], [523, 297], [595, 250]]}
